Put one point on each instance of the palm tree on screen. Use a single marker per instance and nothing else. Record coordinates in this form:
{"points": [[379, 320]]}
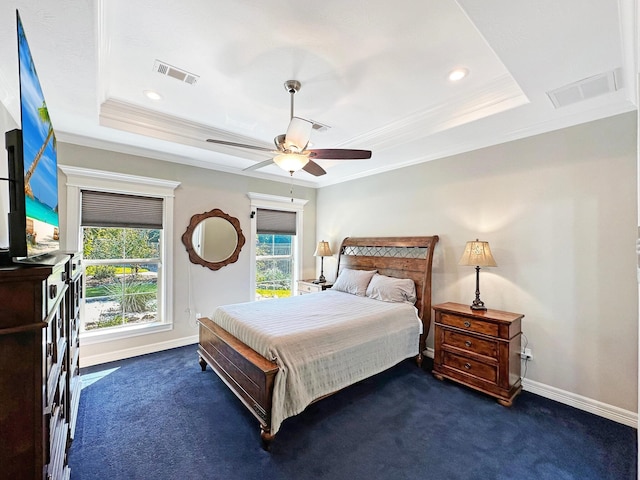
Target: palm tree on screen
{"points": [[43, 114]]}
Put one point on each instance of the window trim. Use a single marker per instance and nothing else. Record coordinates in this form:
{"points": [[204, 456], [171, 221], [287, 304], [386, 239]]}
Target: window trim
{"points": [[275, 202], [79, 179]]}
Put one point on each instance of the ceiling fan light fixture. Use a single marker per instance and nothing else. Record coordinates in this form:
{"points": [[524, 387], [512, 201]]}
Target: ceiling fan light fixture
{"points": [[291, 162]]}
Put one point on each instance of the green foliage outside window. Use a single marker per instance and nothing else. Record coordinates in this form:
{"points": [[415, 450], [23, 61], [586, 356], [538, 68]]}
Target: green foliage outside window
{"points": [[127, 291], [274, 262]]}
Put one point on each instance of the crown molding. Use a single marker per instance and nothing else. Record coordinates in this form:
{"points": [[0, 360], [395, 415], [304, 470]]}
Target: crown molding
{"points": [[90, 142], [497, 96], [142, 121]]}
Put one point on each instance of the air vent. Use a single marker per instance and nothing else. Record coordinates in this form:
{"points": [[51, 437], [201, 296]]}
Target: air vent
{"points": [[584, 89], [319, 127], [174, 72]]}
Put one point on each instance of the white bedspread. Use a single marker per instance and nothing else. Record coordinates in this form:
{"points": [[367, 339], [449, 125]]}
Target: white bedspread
{"points": [[322, 342]]}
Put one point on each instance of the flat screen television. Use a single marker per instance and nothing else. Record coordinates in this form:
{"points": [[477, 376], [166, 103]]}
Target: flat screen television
{"points": [[34, 235]]}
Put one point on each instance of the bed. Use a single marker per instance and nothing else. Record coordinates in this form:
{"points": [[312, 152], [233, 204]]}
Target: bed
{"points": [[278, 356]]}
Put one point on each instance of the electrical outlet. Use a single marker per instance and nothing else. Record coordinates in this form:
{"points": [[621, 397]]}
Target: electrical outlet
{"points": [[526, 354], [198, 316]]}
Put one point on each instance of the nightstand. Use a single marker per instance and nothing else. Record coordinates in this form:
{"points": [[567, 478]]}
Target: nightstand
{"points": [[307, 286], [479, 349]]}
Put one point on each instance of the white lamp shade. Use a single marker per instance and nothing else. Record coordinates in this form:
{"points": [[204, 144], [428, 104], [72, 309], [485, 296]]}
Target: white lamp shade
{"points": [[477, 254], [323, 250]]}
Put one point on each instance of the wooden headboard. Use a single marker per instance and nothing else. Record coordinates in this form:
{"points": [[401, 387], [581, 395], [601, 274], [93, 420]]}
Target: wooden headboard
{"points": [[400, 257]]}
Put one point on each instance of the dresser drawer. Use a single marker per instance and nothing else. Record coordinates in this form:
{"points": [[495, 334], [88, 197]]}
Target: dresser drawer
{"points": [[471, 324], [471, 367], [55, 286], [470, 343]]}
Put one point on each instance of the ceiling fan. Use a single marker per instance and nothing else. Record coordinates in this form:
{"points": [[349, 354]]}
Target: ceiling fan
{"points": [[291, 152]]}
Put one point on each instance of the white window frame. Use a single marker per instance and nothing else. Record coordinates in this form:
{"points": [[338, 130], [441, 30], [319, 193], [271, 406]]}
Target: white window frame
{"points": [[79, 179], [286, 204]]}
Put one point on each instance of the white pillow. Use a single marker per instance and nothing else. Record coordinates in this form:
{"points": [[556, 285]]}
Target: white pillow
{"points": [[389, 289], [353, 281]]}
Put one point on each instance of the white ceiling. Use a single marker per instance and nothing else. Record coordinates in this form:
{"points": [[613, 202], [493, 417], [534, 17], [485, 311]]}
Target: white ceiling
{"points": [[374, 71]]}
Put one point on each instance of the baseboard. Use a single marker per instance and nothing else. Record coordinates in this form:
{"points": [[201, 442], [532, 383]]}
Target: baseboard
{"points": [[601, 409], [87, 361]]}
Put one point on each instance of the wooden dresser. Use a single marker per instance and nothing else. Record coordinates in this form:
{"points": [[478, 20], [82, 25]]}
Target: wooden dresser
{"points": [[38, 392], [478, 348]]}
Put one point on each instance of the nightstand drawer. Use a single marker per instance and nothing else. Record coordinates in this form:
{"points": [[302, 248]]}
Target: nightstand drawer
{"points": [[471, 367], [304, 287], [471, 343], [470, 324]]}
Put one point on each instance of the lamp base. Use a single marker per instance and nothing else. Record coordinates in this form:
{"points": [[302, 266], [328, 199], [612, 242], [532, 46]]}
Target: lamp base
{"points": [[478, 305], [320, 280]]}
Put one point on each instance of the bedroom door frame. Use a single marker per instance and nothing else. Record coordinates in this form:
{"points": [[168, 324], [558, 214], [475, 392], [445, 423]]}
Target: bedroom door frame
{"points": [[275, 202]]}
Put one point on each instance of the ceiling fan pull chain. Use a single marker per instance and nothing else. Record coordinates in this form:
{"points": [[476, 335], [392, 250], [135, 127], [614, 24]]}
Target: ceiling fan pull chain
{"points": [[291, 187]]}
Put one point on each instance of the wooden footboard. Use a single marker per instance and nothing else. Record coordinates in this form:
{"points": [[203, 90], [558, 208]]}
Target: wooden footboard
{"points": [[247, 373]]}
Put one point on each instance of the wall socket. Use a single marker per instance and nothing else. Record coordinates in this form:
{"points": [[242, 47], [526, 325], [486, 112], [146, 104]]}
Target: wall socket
{"points": [[198, 316], [526, 354]]}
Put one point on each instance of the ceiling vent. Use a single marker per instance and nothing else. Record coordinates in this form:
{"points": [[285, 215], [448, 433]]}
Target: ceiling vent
{"points": [[584, 89], [319, 127], [174, 72]]}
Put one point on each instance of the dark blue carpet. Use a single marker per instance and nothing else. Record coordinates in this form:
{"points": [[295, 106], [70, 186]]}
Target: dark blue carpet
{"points": [[160, 417]]}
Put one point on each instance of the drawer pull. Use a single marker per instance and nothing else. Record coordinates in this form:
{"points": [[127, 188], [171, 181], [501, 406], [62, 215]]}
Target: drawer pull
{"points": [[49, 349], [53, 291], [468, 343], [467, 366], [467, 324]]}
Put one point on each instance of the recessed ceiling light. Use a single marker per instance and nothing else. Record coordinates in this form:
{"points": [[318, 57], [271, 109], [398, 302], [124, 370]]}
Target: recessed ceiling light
{"points": [[458, 74], [153, 95]]}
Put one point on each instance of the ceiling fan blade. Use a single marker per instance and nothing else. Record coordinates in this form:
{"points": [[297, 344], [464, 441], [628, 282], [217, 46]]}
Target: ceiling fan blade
{"points": [[339, 154], [258, 165], [298, 134], [241, 145], [313, 168]]}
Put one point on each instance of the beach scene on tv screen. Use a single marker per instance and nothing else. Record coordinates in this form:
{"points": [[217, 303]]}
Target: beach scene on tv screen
{"points": [[40, 163]]}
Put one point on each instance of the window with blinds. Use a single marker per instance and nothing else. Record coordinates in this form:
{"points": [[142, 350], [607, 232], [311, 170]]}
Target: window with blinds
{"points": [[276, 230], [105, 209], [122, 250], [275, 222]]}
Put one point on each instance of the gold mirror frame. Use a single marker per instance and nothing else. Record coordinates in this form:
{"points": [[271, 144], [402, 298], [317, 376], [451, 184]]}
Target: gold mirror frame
{"points": [[187, 239]]}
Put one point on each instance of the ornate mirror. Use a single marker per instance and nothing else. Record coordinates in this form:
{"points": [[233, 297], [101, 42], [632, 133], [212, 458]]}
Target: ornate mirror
{"points": [[213, 239]]}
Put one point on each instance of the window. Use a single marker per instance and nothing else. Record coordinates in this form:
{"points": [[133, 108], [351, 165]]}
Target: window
{"points": [[276, 234], [121, 276], [123, 225]]}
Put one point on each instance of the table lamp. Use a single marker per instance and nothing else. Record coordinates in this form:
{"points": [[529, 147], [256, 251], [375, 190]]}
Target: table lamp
{"points": [[478, 254], [322, 250]]}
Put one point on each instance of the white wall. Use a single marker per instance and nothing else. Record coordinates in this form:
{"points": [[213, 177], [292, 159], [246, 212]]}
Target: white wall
{"points": [[195, 289], [7, 123], [560, 213]]}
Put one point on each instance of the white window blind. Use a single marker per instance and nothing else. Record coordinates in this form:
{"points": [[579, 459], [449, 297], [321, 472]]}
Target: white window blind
{"points": [[275, 222], [104, 209]]}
